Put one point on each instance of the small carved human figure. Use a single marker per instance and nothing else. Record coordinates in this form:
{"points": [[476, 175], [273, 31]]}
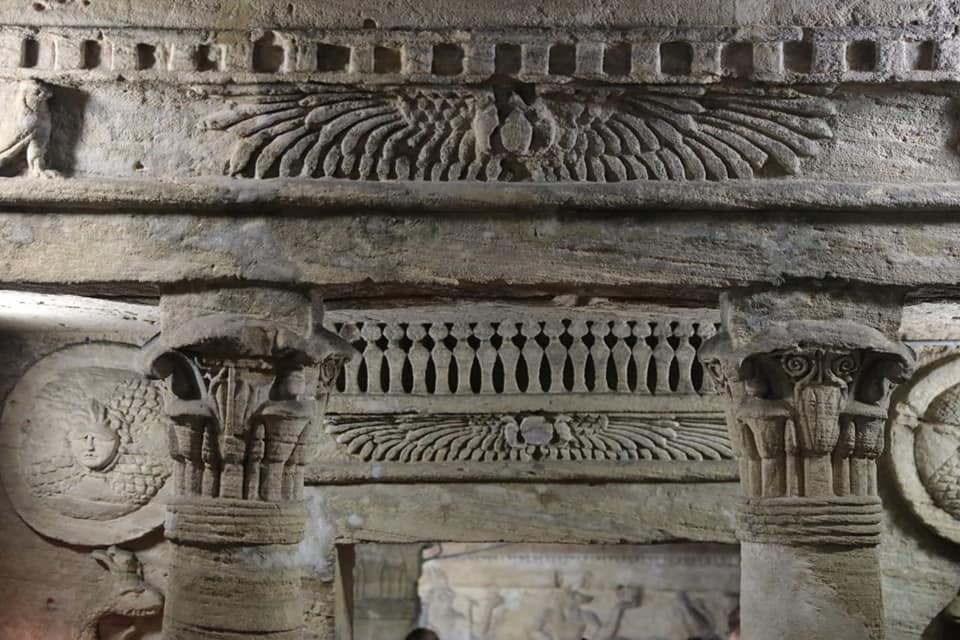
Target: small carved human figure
{"points": [[127, 602], [26, 129]]}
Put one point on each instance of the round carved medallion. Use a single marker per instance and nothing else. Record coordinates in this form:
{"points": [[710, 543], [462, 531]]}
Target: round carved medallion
{"points": [[84, 446], [925, 445]]}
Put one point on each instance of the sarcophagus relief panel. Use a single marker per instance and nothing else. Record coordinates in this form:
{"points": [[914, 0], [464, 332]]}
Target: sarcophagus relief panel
{"points": [[494, 391], [84, 446]]}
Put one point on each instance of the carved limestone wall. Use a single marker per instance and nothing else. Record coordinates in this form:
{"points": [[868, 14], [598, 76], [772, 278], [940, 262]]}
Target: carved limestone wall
{"points": [[575, 105]]}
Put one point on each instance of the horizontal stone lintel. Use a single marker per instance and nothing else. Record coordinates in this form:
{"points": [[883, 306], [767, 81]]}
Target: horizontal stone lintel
{"points": [[645, 257], [278, 195]]}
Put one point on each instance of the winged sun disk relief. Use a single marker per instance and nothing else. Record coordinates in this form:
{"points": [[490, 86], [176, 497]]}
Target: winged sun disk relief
{"points": [[491, 438], [591, 135]]}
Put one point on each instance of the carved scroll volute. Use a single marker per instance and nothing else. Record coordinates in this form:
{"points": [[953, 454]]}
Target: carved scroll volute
{"points": [[243, 394]]}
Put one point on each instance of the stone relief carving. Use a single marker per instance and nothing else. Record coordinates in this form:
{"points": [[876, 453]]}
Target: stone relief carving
{"points": [[568, 618], [247, 371], [528, 134], [126, 604], [500, 437], [925, 446], [25, 129], [385, 603], [808, 426], [84, 445], [507, 592], [513, 385], [232, 437], [547, 353]]}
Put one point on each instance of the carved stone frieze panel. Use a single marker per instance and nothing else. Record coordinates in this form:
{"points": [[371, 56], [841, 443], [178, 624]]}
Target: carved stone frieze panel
{"points": [[519, 135], [618, 116], [84, 446], [533, 437], [503, 391], [559, 592], [925, 446], [447, 353]]}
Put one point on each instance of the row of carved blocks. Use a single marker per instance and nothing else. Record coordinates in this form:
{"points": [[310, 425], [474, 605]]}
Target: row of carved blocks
{"points": [[389, 55]]}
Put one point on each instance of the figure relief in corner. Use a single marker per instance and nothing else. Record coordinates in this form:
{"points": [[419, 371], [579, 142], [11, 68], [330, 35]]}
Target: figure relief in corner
{"points": [[127, 605], [25, 132]]}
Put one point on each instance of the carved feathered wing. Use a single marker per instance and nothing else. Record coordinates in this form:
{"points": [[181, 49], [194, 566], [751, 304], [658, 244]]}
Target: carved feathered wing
{"points": [[435, 438], [690, 134], [639, 437], [359, 135], [480, 438], [591, 135]]}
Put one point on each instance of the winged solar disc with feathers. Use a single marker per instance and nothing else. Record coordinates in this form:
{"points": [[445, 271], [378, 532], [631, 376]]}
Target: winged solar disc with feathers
{"points": [[552, 135]]}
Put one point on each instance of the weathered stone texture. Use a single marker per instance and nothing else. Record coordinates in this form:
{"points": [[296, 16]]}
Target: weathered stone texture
{"points": [[231, 159], [179, 13], [682, 257]]}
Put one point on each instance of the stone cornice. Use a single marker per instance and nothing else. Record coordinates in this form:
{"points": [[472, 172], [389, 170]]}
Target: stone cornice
{"points": [[660, 55]]}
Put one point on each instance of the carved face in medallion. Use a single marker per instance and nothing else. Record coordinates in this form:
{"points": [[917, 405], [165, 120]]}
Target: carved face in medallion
{"points": [[94, 444], [84, 446]]}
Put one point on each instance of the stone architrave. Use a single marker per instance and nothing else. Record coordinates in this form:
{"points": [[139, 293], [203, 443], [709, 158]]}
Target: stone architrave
{"points": [[808, 375], [84, 446], [925, 446], [248, 372]]}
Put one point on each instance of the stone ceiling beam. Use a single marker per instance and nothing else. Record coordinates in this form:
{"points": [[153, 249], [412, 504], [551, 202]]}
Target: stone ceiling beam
{"points": [[682, 258]]}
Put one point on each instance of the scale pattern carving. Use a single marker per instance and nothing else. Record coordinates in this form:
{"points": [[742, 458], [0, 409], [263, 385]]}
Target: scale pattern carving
{"points": [[526, 134], [134, 474]]}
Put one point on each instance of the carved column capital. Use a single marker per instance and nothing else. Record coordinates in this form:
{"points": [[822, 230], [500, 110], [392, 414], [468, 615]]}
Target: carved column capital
{"points": [[808, 399], [248, 372]]}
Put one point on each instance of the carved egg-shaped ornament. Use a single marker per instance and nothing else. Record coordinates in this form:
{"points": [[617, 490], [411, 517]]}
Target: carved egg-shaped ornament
{"points": [[925, 447], [83, 446]]}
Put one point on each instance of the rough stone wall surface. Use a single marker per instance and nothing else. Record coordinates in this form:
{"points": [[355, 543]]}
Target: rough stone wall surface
{"points": [[656, 255], [387, 14]]}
